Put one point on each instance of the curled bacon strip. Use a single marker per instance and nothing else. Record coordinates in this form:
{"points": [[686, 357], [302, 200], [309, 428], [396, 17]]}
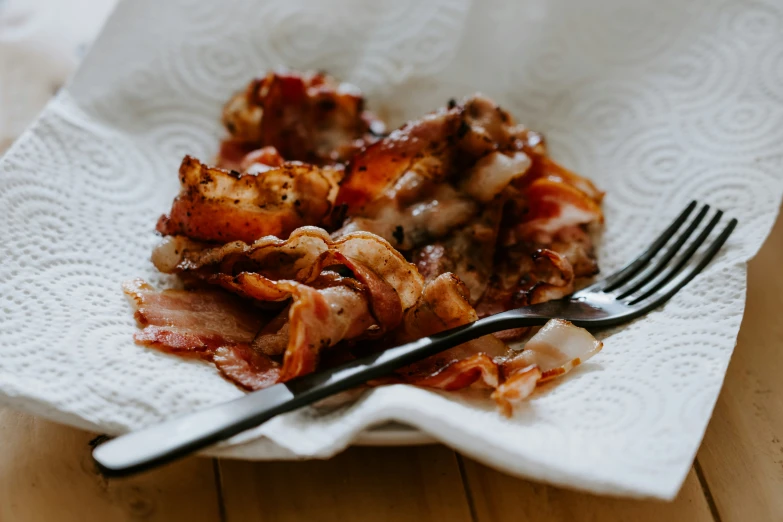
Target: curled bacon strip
{"points": [[320, 317], [301, 257], [307, 117], [276, 258], [220, 205]]}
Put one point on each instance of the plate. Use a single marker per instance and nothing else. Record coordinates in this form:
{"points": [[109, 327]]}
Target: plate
{"points": [[393, 434]]}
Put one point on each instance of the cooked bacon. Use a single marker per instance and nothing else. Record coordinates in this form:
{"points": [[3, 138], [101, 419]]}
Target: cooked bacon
{"points": [[276, 258], [444, 305], [437, 187], [556, 349], [309, 117], [546, 167], [246, 367], [524, 278], [177, 320], [467, 194], [409, 223], [468, 252], [220, 205], [325, 308], [551, 199], [422, 147], [212, 325], [335, 310], [554, 205], [461, 373], [493, 173], [261, 160], [516, 388], [576, 245], [250, 270], [473, 146]]}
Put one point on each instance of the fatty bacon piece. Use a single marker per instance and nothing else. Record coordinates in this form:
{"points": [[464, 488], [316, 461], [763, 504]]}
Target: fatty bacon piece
{"points": [[308, 117], [555, 350], [212, 325], [221, 206]]}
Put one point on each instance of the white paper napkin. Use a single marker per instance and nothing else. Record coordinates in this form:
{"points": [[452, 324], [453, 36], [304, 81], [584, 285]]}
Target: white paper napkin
{"points": [[659, 103]]}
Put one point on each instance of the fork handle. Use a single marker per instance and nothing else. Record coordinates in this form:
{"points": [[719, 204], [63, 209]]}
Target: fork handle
{"points": [[177, 437]]}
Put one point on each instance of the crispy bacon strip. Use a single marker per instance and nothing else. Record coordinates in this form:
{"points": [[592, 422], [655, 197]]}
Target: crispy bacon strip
{"points": [[444, 305], [212, 325], [523, 278], [309, 117], [177, 320], [245, 366], [220, 205], [336, 309]]}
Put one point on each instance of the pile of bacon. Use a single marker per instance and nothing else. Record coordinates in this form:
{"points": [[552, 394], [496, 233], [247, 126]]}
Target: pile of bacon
{"points": [[317, 238]]}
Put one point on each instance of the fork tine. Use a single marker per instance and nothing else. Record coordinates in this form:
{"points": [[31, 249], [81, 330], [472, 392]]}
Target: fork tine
{"points": [[632, 268], [660, 265], [661, 295], [669, 274]]}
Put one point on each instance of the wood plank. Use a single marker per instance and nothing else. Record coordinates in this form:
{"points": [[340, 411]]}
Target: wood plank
{"points": [[361, 484], [46, 474], [742, 454], [499, 498]]}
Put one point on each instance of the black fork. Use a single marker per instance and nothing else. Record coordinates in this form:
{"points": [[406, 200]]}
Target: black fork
{"points": [[643, 285]]}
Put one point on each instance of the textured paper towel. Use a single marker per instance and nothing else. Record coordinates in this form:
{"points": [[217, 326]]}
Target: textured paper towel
{"points": [[658, 102]]}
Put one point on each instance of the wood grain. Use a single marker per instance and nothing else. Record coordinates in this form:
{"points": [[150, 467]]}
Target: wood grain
{"points": [[361, 484], [499, 498], [742, 453], [46, 475]]}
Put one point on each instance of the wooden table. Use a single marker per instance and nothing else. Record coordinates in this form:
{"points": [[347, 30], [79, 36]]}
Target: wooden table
{"points": [[46, 473]]}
